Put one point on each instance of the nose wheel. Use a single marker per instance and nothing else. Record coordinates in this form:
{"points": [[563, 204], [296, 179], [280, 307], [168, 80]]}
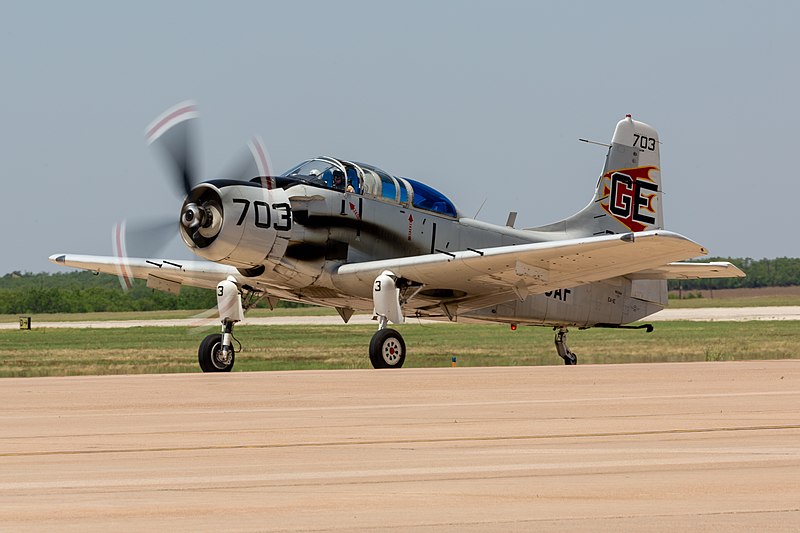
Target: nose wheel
{"points": [[387, 349]]}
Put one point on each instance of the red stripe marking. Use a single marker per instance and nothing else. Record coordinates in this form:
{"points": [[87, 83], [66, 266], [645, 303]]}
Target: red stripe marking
{"points": [[171, 116]]}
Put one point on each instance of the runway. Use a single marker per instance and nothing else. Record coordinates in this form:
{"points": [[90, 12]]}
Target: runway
{"points": [[655, 447], [705, 314]]}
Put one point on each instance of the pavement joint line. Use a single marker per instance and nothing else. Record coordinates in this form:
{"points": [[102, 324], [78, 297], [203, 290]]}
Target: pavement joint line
{"points": [[559, 519], [407, 441]]}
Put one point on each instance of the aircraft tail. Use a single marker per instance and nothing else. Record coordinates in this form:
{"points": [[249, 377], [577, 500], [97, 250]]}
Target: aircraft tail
{"points": [[628, 193]]}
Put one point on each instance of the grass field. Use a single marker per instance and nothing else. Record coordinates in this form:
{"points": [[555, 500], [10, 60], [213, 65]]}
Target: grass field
{"points": [[57, 352], [775, 300], [757, 297]]}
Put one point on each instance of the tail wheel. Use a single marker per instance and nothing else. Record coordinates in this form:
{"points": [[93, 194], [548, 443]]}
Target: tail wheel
{"points": [[209, 355], [387, 349]]}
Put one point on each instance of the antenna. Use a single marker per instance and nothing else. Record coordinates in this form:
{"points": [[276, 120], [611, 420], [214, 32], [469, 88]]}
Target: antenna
{"points": [[595, 142], [481, 207], [512, 218]]}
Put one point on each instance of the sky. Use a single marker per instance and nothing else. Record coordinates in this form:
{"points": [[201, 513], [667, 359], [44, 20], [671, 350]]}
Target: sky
{"points": [[484, 101]]}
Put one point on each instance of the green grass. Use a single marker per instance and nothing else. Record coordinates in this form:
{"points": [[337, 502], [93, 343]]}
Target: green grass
{"points": [[56, 352], [745, 301]]}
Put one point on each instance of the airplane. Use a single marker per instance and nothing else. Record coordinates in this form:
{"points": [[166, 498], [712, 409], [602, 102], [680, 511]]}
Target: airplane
{"points": [[348, 235]]}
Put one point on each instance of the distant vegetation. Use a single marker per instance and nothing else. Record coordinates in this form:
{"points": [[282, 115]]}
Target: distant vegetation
{"points": [[780, 272], [80, 292]]}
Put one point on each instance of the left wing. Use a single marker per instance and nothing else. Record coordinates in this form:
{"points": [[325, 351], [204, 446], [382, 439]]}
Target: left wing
{"points": [[526, 268]]}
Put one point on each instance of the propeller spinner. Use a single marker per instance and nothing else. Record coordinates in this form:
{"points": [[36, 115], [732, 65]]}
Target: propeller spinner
{"points": [[174, 132]]}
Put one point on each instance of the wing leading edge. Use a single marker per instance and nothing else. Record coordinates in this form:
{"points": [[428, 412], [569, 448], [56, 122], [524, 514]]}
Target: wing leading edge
{"points": [[528, 268], [480, 277], [164, 273]]}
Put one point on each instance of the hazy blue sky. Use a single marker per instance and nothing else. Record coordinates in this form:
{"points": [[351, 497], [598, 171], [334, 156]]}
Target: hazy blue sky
{"points": [[482, 100]]}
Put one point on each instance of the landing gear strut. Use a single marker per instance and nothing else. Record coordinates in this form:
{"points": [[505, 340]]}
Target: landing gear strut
{"points": [[387, 348], [216, 352], [563, 350]]}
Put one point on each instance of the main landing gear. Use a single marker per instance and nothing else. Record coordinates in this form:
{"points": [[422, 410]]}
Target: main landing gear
{"points": [[216, 352], [387, 348], [563, 350]]}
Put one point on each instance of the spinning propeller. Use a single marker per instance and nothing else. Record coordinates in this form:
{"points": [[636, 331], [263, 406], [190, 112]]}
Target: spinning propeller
{"points": [[174, 132]]}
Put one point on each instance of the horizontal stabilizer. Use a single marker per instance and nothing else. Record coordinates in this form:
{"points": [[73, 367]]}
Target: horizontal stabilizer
{"points": [[721, 269]]}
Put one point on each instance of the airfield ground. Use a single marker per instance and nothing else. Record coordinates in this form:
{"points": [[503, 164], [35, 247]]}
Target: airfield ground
{"points": [[653, 447], [702, 446]]}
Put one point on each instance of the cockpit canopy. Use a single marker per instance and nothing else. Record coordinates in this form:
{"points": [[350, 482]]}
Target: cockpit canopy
{"points": [[369, 181]]}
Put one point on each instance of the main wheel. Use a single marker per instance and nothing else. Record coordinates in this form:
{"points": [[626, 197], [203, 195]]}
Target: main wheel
{"points": [[209, 355], [387, 349]]}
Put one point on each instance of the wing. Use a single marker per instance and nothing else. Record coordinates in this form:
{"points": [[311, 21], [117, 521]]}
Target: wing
{"points": [[720, 269], [493, 274], [164, 275]]}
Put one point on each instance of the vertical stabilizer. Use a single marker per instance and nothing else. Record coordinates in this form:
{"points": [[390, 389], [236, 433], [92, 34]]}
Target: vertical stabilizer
{"points": [[628, 194]]}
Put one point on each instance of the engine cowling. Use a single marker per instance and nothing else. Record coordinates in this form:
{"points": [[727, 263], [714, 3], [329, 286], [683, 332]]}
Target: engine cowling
{"points": [[237, 223]]}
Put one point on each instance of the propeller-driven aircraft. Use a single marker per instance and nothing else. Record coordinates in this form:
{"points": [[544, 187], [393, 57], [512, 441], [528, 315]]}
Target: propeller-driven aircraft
{"points": [[348, 235]]}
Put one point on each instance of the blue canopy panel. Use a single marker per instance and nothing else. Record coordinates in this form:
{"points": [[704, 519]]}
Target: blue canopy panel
{"points": [[429, 199]]}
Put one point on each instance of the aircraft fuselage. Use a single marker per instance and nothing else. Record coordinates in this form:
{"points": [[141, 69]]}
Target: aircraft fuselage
{"points": [[331, 227]]}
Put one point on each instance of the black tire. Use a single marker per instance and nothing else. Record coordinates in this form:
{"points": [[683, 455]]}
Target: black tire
{"points": [[387, 349], [571, 360], [207, 355]]}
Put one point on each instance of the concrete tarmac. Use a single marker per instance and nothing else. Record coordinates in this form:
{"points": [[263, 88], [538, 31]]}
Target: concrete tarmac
{"points": [[654, 447]]}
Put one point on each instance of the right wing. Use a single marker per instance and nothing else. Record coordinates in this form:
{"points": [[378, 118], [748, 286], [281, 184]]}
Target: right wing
{"points": [[488, 274]]}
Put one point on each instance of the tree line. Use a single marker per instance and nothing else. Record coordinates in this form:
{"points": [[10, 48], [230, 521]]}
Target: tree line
{"points": [[80, 292], [779, 272], [83, 292]]}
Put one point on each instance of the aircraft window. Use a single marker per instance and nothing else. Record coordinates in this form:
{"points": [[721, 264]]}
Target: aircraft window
{"points": [[389, 189], [326, 177], [428, 198], [352, 180], [403, 190], [313, 167], [372, 183]]}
